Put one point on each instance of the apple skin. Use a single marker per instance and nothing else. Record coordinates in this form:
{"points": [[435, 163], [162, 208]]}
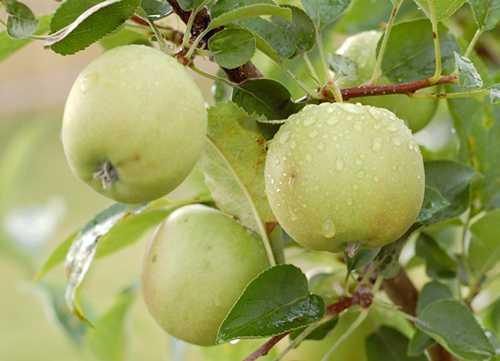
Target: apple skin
{"points": [[362, 48], [138, 109], [342, 173], [196, 267]]}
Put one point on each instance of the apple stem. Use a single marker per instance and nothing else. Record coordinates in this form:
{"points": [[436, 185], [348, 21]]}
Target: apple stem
{"points": [[351, 248], [107, 174]]}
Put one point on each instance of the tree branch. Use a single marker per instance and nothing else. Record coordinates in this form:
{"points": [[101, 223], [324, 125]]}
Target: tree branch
{"points": [[201, 21]]}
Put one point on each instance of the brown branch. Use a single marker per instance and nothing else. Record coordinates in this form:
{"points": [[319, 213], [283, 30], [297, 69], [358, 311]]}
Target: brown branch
{"points": [[403, 293], [201, 21], [402, 88], [359, 298]]}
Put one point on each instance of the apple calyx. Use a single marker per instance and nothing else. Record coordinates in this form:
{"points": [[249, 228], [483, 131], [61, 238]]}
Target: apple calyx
{"points": [[107, 174], [351, 248]]}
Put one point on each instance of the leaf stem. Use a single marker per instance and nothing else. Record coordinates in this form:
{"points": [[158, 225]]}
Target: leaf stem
{"points": [[473, 42], [213, 77], [437, 49], [329, 76], [297, 81], [311, 68], [196, 43], [189, 25], [380, 57], [359, 320], [299, 339], [161, 40]]}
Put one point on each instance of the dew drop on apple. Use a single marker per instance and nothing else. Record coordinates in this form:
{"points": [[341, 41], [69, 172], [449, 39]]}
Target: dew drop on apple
{"points": [[313, 134], [397, 141], [377, 144], [328, 229], [339, 164], [309, 157], [284, 137], [321, 146], [88, 82]]}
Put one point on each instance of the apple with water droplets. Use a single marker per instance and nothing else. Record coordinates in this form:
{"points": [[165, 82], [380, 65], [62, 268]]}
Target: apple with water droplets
{"points": [[362, 48], [197, 265], [134, 124], [342, 176]]}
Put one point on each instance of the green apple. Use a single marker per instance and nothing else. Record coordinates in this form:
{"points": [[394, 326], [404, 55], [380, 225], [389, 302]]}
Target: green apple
{"points": [[362, 48], [196, 267], [134, 124], [344, 175]]}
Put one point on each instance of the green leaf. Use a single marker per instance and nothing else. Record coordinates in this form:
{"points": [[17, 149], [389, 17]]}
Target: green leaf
{"points": [[274, 36], [108, 339], [277, 301], [453, 325], [189, 4], [484, 249], [224, 6], [52, 298], [433, 203], [126, 227], [439, 263], [249, 11], [495, 94], [21, 22], [419, 343], [9, 46], [156, 9], [324, 12], [388, 344], [388, 257], [451, 180], [486, 13], [410, 52], [232, 47], [431, 292], [301, 29], [344, 68], [233, 163], [442, 8], [265, 97], [80, 23], [468, 77], [361, 259]]}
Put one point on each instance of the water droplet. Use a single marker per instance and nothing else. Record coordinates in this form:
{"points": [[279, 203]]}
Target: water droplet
{"points": [[329, 110], [349, 117], [377, 126], [328, 229], [293, 144], [359, 161], [361, 174], [374, 113], [377, 144], [392, 128], [349, 201], [277, 161], [313, 134], [410, 144], [339, 164], [333, 120], [358, 127], [284, 137], [397, 141], [309, 121], [321, 146], [330, 171], [88, 82], [375, 178], [309, 157]]}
